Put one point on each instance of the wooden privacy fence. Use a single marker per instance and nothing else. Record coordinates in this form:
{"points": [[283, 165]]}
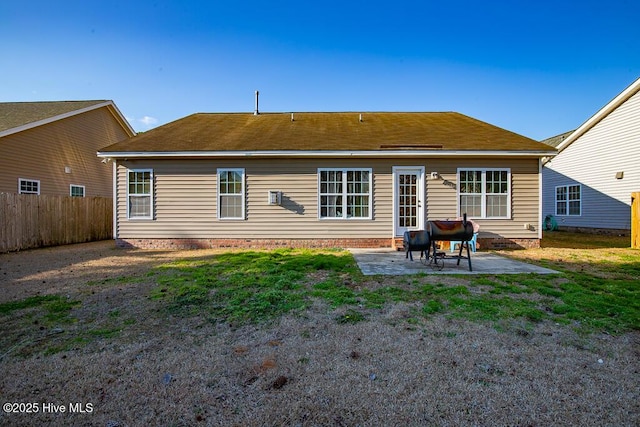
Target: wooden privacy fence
{"points": [[32, 221], [635, 220]]}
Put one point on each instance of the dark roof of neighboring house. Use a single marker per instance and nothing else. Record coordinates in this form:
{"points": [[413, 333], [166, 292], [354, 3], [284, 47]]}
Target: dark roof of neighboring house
{"points": [[246, 132], [554, 141], [16, 114]]}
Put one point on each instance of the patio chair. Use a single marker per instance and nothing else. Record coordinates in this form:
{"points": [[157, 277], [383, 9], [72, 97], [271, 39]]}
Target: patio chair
{"points": [[471, 243]]}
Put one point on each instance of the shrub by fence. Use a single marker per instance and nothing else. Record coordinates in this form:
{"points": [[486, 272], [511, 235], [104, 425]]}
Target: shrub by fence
{"points": [[31, 221]]}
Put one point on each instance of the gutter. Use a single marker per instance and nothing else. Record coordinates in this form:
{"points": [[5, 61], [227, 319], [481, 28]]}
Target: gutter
{"points": [[328, 154]]}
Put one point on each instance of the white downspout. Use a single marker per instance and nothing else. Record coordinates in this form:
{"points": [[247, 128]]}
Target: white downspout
{"points": [[115, 200], [540, 199]]}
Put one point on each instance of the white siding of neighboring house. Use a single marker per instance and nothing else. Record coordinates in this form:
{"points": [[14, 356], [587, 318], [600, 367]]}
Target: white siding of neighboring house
{"points": [[611, 146]]}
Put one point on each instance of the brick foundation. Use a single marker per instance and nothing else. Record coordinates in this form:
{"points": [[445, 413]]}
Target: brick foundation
{"points": [[493, 243], [503, 243], [177, 244]]}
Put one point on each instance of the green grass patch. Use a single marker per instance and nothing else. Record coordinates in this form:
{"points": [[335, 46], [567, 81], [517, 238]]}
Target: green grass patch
{"points": [[596, 290], [602, 304], [47, 309], [39, 323], [441, 290], [335, 293], [592, 303], [254, 286], [431, 307], [351, 316], [37, 301], [491, 308], [387, 294]]}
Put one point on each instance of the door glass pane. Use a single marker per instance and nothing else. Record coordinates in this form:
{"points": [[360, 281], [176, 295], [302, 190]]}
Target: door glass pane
{"points": [[408, 200]]}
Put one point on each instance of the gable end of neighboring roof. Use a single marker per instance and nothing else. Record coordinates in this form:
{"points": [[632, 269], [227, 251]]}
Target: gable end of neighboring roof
{"points": [[554, 141], [20, 116], [620, 99]]}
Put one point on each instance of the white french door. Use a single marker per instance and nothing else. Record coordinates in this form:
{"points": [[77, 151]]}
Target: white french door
{"points": [[408, 198]]}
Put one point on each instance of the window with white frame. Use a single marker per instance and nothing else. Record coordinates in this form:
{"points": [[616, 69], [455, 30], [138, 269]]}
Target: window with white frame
{"points": [[76, 190], [344, 193], [231, 200], [140, 194], [485, 193], [569, 200], [28, 186]]}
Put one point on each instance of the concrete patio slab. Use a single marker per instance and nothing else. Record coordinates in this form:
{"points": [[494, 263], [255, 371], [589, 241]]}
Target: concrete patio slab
{"points": [[391, 262]]}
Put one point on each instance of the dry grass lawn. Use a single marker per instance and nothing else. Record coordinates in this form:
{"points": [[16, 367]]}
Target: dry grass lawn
{"points": [[82, 325]]}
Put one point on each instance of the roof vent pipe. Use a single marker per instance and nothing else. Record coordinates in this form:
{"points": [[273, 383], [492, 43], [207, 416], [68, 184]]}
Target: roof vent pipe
{"points": [[256, 112], [360, 117]]}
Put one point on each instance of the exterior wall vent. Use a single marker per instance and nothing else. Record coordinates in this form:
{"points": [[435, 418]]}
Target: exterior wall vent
{"points": [[275, 197]]}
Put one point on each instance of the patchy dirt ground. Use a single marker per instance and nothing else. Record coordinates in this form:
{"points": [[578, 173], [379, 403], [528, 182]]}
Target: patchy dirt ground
{"points": [[303, 370]]}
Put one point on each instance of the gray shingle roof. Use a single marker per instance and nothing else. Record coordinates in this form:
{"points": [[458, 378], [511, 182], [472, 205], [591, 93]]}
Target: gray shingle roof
{"points": [[554, 141], [16, 114], [228, 132]]}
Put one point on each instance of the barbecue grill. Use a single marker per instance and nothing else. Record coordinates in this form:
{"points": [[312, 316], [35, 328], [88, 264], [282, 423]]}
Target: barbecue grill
{"points": [[448, 231], [416, 241], [426, 241]]}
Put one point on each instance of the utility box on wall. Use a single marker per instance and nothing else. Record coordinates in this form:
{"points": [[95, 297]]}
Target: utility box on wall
{"points": [[275, 197]]}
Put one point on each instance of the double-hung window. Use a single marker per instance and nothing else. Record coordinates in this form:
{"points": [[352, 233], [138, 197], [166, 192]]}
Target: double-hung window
{"points": [[140, 194], [485, 193], [28, 186], [231, 199], [569, 200], [76, 190], [344, 193]]}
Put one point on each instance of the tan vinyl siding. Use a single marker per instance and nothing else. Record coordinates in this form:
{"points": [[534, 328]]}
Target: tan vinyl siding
{"points": [[185, 202], [442, 202], [41, 153], [185, 198]]}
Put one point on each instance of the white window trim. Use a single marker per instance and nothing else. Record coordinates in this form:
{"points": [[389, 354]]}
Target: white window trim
{"points": [[555, 199], [151, 188], [484, 194], [84, 190], [344, 194], [242, 195], [21, 180]]}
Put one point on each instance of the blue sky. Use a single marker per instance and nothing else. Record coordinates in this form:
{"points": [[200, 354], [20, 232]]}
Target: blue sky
{"points": [[536, 68]]}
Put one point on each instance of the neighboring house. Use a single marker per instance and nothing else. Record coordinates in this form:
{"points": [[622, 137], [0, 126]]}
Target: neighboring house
{"points": [[50, 147], [323, 179], [588, 185]]}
